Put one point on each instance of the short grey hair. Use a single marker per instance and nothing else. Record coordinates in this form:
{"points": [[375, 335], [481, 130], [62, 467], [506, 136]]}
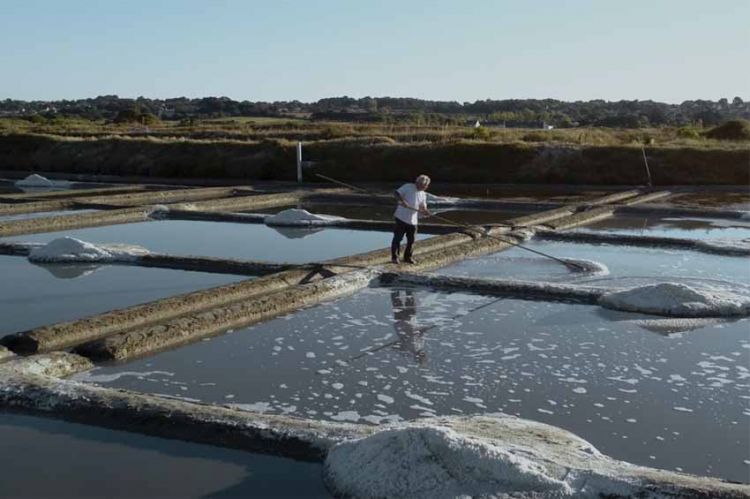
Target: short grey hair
{"points": [[423, 179]]}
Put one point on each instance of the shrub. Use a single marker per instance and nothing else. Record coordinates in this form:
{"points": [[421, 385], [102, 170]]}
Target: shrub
{"points": [[481, 133], [731, 130], [688, 132]]}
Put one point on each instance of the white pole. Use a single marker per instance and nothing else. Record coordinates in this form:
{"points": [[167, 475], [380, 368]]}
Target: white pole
{"points": [[648, 170], [299, 162]]}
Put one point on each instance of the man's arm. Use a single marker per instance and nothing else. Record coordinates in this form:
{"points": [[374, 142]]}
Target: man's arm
{"points": [[401, 200], [423, 208]]}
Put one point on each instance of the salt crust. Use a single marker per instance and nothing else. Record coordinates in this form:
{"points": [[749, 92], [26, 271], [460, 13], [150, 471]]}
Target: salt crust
{"points": [[680, 300]]}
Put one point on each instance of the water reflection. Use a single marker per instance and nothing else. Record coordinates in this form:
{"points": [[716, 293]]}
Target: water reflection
{"points": [[68, 270], [296, 232], [410, 335]]}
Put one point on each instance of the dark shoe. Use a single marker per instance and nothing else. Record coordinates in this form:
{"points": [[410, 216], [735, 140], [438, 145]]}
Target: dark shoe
{"points": [[394, 259], [410, 260]]}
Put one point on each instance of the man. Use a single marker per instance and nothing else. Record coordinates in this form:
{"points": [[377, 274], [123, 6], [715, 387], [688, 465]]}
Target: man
{"points": [[412, 201]]}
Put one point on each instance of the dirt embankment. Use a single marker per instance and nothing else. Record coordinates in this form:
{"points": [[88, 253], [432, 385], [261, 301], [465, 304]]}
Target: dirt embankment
{"points": [[374, 160]]}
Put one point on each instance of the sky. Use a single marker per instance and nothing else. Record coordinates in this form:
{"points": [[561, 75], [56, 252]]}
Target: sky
{"points": [[463, 50]]}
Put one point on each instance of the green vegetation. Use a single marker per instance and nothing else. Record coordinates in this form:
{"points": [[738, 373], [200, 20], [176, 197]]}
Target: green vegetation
{"points": [[577, 160], [511, 113], [264, 148], [136, 124]]}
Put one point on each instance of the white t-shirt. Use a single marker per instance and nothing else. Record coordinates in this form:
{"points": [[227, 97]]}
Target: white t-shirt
{"points": [[414, 198]]}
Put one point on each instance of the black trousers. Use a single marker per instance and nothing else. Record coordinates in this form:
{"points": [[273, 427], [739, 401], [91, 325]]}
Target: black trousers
{"points": [[403, 229]]}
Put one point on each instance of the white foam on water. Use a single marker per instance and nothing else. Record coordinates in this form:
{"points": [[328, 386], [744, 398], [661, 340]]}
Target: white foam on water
{"points": [[679, 300], [295, 217], [92, 377], [255, 407], [70, 249], [352, 416]]}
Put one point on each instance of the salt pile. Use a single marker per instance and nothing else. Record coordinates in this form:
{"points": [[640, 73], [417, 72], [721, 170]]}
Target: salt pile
{"points": [[441, 200], [69, 249], [679, 300], [294, 217], [588, 267], [34, 180], [433, 462], [158, 211]]}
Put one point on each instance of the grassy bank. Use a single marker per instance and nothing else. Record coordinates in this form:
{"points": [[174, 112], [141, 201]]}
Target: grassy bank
{"points": [[379, 158]]}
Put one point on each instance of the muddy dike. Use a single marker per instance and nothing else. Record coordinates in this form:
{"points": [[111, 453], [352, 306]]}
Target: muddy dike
{"points": [[525, 290], [74, 221], [645, 242], [163, 197], [376, 159], [72, 193]]}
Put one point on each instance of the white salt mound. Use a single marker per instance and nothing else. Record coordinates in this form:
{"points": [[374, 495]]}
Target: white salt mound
{"points": [[679, 300], [69, 249], [441, 200], [297, 217], [433, 462], [34, 180], [731, 246], [588, 267], [158, 211]]}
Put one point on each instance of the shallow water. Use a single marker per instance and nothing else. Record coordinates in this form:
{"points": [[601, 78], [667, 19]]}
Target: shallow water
{"points": [[682, 227], [677, 402], [626, 264], [48, 458], [43, 214], [231, 240], [34, 295]]}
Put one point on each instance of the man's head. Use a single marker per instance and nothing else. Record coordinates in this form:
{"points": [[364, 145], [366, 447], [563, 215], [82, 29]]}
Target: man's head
{"points": [[422, 182]]}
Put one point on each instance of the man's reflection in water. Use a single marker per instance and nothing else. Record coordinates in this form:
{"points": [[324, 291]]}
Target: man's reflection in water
{"points": [[410, 335]]}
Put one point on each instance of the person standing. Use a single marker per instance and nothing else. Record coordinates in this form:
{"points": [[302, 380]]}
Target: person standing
{"points": [[412, 201]]}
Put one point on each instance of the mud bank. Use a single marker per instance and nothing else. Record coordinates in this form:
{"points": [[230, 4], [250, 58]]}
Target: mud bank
{"points": [[36, 206], [73, 193], [164, 197], [717, 247], [241, 203], [682, 212], [526, 290], [375, 160], [73, 221], [568, 465]]}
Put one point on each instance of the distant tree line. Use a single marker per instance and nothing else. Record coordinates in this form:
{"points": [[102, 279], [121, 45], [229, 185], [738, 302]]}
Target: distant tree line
{"points": [[621, 114]]}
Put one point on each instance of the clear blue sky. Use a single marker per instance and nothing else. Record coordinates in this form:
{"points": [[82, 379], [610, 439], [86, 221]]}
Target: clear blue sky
{"points": [[666, 50]]}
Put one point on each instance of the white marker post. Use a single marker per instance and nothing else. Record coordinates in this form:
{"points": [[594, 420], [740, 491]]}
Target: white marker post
{"points": [[299, 162]]}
